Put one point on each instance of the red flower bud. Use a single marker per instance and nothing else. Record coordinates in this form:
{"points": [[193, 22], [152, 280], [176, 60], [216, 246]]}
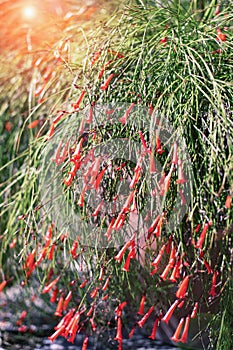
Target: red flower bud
{"points": [[176, 335], [181, 292], [170, 311], [154, 329], [142, 304], [184, 337], [145, 317], [107, 82], [194, 312]]}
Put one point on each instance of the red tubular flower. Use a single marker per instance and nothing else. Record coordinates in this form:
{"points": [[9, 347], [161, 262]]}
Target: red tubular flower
{"points": [[158, 228], [184, 337], [105, 297], [176, 271], [176, 335], [228, 202], [23, 315], [107, 82], [101, 273], [175, 153], [79, 100], [142, 304], [158, 148], [58, 117], [33, 124], [105, 286], [48, 73], [119, 308], [164, 187], [181, 304], [53, 298], [94, 293], [119, 329], [85, 343], [41, 256], [93, 326], [94, 171], [73, 333], [182, 197], [170, 311], [145, 317], [81, 197], [212, 291], [217, 11], [159, 256], [110, 228], [151, 109], [181, 179], [77, 153], [51, 131], [127, 262], [135, 178], [167, 181], [90, 312], [124, 118], [73, 250], [181, 292], [50, 285], [207, 265], [170, 264], [154, 329], [145, 146], [103, 69], [38, 62], [99, 178], [96, 212], [131, 333], [51, 252], [119, 256], [163, 40], [57, 333], [166, 272], [66, 319], [59, 308], [13, 243], [119, 221], [48, 237], [95, 57], [82, 285], [194, 312], [202, 235], [59, 158], [39, 90], [126, 207], [91, 112], [221, 36], [153, 226], [152, 163], [29, 265], [72, 327], [67, 300]]}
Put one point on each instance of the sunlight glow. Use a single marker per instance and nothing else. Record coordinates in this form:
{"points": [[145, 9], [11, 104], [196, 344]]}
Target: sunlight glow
{"points": [[29, 12]]}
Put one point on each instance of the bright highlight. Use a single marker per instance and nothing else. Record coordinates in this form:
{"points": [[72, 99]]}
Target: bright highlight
{"points": [[29, 12]]}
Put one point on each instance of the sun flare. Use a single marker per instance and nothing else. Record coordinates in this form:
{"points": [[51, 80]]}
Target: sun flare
{"points": [[29, 12]]}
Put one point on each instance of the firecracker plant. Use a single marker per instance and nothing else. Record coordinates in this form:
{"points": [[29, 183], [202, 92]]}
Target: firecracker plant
{"points": [[116, 184]]}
